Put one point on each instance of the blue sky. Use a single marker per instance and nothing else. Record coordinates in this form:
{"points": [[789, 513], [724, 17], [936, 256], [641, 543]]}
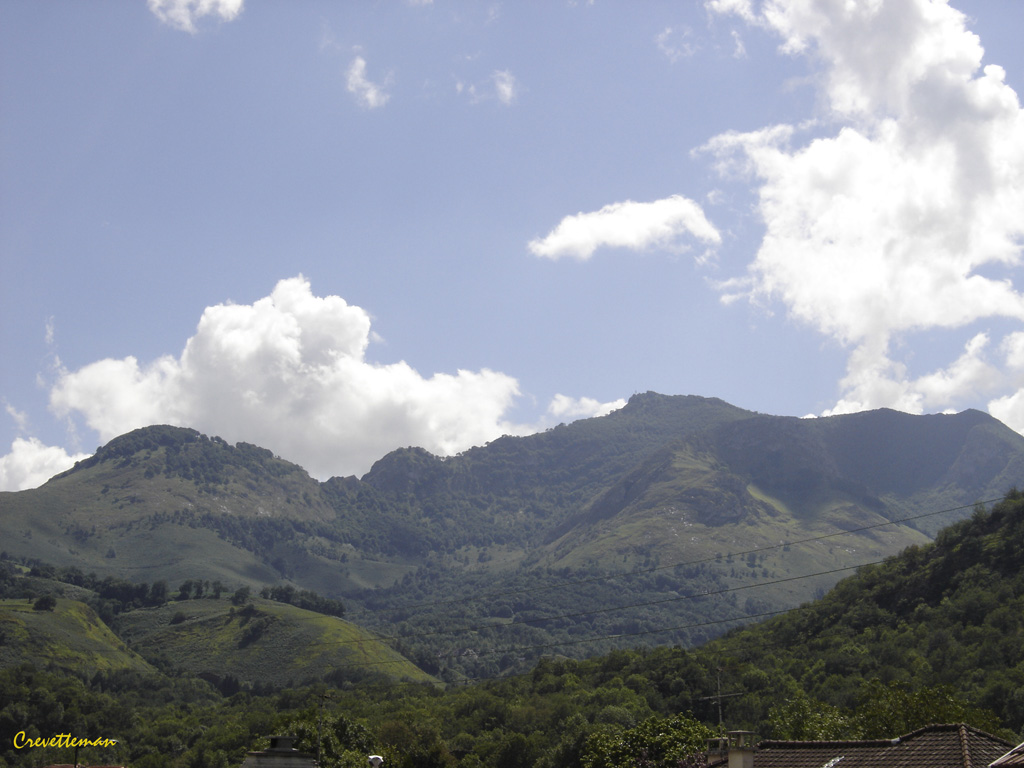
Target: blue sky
{"points": [[334, 229]]}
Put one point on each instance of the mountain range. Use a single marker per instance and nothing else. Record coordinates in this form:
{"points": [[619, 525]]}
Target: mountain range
{"points": [[667, 521]]}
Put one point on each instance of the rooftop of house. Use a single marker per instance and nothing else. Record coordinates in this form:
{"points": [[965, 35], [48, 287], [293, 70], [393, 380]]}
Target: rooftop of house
{"points": [[936, 746], [280, 754], [1014, 757]]}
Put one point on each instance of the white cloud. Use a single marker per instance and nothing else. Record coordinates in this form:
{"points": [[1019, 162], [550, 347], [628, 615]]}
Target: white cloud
{"points": [[183, 14], [502, 85], [289, 372], [739, 50], [741, 8], [875, 380], [675, 44], [1010, 408], [30, 464], [884, 228], [368, 94], [632, 225], [20, 417], [565, 407], [1013, 350], [505, 86], [969, 374]]}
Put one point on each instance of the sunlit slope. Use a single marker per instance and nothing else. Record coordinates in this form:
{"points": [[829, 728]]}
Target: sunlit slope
{"points": [[165, 503], [688, 507], [796, 496], [69, 637], [263, 642]]}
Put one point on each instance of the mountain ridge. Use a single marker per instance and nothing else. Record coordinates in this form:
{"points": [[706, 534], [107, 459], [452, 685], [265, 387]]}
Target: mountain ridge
{"points": [[663, 480]]}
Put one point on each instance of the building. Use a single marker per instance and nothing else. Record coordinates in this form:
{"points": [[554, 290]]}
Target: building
{"points": [[934, 746], [281, 754], [1014, 757]]}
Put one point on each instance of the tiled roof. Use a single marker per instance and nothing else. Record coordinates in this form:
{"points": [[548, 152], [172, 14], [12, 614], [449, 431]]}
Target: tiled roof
{"points": [[1014, 757], [934, 746]]}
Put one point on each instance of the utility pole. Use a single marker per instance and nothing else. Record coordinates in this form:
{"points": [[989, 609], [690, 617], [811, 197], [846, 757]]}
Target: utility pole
{"points": [[320, 725]]}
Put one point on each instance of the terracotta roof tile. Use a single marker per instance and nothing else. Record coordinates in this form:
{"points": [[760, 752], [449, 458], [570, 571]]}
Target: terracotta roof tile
{"points": [[1014, 757], [934, 746]]}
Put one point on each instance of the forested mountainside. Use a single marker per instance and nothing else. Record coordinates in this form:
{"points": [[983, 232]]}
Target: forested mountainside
{"points": [[668, 520], [946, 616], [933, 634]]}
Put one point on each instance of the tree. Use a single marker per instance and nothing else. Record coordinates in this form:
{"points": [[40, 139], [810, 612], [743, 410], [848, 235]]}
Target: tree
{"points": [[891, 710], [343, 742], [674, 742], [801, 719], [158, 593], [45, 603]]}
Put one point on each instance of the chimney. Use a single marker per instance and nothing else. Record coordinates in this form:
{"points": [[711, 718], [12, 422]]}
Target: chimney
{"points": [[741, 749], [718, 749]]}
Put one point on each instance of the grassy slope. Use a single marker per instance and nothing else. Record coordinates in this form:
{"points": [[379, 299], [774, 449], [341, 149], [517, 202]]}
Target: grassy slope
{"points": [[685, 507], [70, 637], [295, 645], [147, 516]]}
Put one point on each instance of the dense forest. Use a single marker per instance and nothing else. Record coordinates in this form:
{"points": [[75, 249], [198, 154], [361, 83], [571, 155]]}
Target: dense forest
{"points": [[934, 634], [948, 615]]}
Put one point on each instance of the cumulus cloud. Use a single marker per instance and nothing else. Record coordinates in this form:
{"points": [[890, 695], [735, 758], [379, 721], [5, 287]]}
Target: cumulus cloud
{"points": [[367, 93], [875, 380], [289, 372], [741, 8], [637, 226], [1010, 408], [183, 14], [30, 464], [565, 407], [886, 224]]}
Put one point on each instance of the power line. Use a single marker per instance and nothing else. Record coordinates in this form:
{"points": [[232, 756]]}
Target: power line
{"points": [[565, 643], [717, 557], [684, 564], [678, 598]]}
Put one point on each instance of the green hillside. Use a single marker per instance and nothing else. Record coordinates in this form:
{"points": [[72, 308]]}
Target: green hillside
{"points": [[261, 643], [63, 619], [70, 637], [947, 614], [666, 521], [165, 503]]}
